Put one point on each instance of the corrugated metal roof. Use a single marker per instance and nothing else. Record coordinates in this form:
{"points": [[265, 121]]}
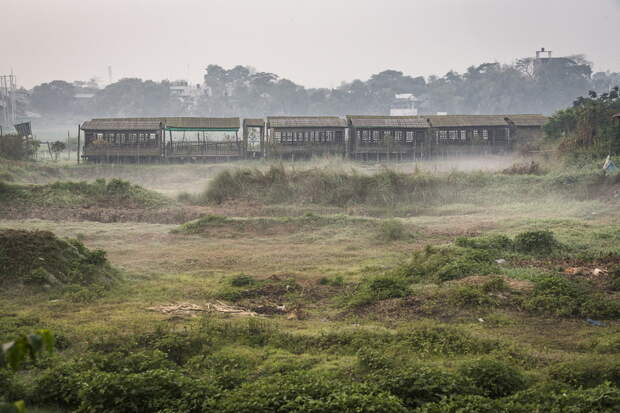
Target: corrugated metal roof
{"points": [[448, 121], [414, 122], [202, 123], [527, 119], [170, 122], [144, 124], [254, 122], [306, 122]]}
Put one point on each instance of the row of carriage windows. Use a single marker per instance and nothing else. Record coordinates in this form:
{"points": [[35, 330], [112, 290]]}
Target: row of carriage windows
{"points": [[126, 138], [373, 137], [304, 137], [364, 136], [455, 135]]}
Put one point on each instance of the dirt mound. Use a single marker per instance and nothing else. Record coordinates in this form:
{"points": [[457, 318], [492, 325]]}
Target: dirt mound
{"points": [[40, 258]]}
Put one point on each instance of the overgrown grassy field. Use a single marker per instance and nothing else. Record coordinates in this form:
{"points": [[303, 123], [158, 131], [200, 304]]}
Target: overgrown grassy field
{"points": [[322, 288]]}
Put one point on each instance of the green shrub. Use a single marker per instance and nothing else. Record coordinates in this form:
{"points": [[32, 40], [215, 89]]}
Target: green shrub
{"points": [[150, 391], [393, 230], [587, 372], [494, 284], [614, 278], [306, 392], [418, 385], [370, 359], [560, 296], [337, 281], [448, 340], [379, 287], [446, 263], [496, 243], [242, 280], [493, 378], [256, 288], [223, 187], [549, 397], [464, 404], [60, 384], [536, 242], [470, 296]]}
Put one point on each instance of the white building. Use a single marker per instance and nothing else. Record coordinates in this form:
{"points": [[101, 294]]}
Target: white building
{"points": [[404, 104]]}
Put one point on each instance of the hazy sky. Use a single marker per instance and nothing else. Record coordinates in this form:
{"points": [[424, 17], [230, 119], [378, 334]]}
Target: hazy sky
{"points": [[317, 43]]}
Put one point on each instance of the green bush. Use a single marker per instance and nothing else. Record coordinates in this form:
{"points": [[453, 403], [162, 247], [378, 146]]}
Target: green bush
{"points": [[497, 243], [150, 391], [560, 296], [536, 242], [60, 384], [447, 340], [493, 378], [549, 397], [418, 385], [306, 392], [379, 287], [393, 230], [465, 404], [470, 296], [587, 372], [601, 399], [242, 280], [614, 278], [337, 281], [446, 263]]}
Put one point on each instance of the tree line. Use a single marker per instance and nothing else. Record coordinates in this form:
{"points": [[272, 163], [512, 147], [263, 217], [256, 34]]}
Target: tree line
{"points": [[526, 86]]}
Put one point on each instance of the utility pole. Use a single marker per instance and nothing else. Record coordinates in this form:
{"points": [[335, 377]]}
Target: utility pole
{"points": [[7, 98]]}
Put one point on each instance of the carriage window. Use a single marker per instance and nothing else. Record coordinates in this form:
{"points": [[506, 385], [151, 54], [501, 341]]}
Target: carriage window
{"points": [[410, 135], [453, 134], [463, 135], [485, 134]]}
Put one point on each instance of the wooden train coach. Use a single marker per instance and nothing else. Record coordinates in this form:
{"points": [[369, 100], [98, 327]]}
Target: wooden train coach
{"points": [[359, 137]]}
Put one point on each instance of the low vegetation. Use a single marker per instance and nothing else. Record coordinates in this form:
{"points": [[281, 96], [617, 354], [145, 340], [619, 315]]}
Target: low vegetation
{"points": [[115, 192], [399, 193]]}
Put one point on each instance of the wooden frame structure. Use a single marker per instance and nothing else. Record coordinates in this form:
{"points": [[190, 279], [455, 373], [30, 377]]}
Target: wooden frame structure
{"points": [[305, 136], [122, 140], [254, 147], [361, 137], [202, 147], [387, 137], [454, 135]]}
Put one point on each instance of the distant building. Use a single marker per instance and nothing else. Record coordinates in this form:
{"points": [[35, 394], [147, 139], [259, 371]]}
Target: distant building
{"points": [[544, 59], [183, 89], [404, 104]]}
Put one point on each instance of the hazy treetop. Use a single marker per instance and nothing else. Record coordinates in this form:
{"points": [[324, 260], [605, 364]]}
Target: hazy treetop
{"points": [[316, 43]]}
